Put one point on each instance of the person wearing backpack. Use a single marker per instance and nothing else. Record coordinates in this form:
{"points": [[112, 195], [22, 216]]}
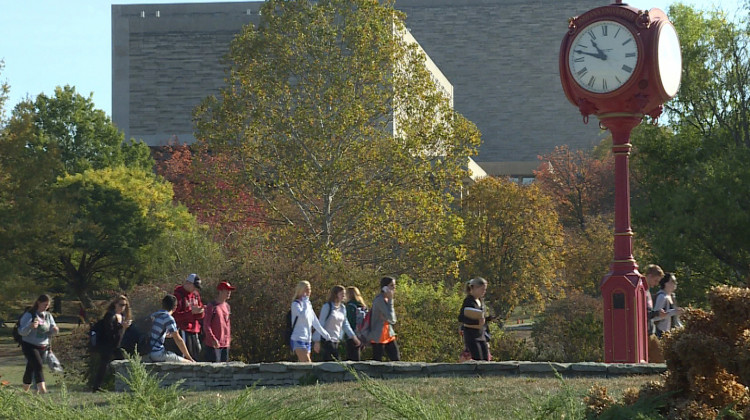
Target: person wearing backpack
{"points": [[36, 326], [109, 334], [355, 313], [335, 322], [303, 321], [665, 301], [382, 335], [216, 327], [163, 326]]}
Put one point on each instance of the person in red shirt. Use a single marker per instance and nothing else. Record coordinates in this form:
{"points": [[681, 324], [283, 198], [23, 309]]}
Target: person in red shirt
{"points": [[189, 313], [217, 333]]}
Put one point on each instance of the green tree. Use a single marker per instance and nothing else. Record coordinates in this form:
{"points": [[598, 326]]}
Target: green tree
{"points": [[513, 239], [84, 136], [43, 140], [692, 195], [343, 134], [96, 237]]}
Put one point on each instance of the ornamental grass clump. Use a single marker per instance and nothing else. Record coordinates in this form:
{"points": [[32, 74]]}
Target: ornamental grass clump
{"points": [[708, 364]]}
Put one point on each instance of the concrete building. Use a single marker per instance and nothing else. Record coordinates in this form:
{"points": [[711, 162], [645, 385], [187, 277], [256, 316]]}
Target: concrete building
{"points": [[500, 55]]}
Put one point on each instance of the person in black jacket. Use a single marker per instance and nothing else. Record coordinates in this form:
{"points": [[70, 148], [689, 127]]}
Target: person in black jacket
{"points": [[115, 321], [473, 319]]}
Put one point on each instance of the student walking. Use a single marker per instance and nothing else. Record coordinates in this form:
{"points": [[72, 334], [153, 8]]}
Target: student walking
{"points": [[354, 305], [335, 323], [666, 301], [303, 321], [474, 322], [36, 326], [114, 323], [217, 328], [382, 335]]}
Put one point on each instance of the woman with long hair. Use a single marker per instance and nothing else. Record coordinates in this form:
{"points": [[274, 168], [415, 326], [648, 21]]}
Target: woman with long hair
{"points": [[354, 304], [116, 319], [334, 321], [36, 326], [473, 319], [303, 321], [665, 303]]}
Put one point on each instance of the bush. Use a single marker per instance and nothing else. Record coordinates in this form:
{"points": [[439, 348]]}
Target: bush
{"points": [[427, 325], [570, 330], [505, 346]]}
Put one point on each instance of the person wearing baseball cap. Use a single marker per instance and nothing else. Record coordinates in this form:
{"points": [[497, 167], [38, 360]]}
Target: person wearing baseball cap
{"points": [[217, 334], [189, 313]]}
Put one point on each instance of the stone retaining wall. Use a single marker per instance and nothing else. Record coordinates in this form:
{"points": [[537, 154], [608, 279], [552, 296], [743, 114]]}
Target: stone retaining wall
{"points": [[237, 375]]}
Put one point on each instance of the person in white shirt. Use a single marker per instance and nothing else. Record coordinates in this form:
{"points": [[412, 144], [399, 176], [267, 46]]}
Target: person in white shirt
{"points": [[303, 321], [665, 301], [334, 320]]}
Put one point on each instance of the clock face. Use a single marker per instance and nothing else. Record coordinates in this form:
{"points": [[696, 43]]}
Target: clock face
{"points": [[669, 59], [603, 56]]}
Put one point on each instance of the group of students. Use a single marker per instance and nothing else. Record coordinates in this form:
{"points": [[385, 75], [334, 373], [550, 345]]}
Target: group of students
{"points": [[182, 317], [339, 320]]}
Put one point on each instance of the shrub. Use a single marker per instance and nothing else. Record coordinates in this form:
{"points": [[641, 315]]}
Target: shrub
{"points": [[505, 346], [427, 325], [570, 330]]}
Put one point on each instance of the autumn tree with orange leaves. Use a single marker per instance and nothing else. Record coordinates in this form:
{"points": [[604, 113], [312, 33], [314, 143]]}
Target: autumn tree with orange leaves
{"points": [[581, 185]]}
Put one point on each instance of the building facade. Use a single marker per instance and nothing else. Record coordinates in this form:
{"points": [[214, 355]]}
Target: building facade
{"points": [[501, 57]]}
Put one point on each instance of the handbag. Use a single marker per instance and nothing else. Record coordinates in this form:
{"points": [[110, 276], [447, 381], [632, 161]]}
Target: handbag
{"points": [[51, 360]]}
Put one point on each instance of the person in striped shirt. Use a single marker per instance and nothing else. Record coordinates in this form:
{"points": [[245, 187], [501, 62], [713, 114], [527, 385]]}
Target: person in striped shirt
{"points": [[163, 326]]}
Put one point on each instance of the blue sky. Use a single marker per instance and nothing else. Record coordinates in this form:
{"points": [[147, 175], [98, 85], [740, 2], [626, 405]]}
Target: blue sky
{"points": [[48, 43]]}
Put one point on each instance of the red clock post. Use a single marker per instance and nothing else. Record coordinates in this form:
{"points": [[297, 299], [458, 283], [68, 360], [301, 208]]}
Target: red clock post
{"points": [[620, 63]]}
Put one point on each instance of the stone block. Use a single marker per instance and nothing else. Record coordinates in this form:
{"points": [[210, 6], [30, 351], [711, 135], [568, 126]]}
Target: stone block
{"points": [[408, 366], [330, 367], [588, 368], [280, 367], [543, 367]]}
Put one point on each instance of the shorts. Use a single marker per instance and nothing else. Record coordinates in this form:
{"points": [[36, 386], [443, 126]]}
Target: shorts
{"points": [[166, 356], [294, 344]]}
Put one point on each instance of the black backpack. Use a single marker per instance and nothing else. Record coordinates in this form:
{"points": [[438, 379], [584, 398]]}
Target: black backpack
{"points": [[96, 334], [289, 326], [138, 336], [16, 334]]}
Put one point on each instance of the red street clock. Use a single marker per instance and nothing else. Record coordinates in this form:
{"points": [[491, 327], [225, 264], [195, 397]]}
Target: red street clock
{"points": [[620, 63], [618, 58]]}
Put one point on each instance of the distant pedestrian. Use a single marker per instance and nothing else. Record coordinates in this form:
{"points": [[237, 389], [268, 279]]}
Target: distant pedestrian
{"points": [[382, 335], [36, 326], [163, 326], [653, 274], [334, 321], [189, 313], [474, 320], [115, 321], [665, 300], [217, 334], [303, 321], [354, 304]]}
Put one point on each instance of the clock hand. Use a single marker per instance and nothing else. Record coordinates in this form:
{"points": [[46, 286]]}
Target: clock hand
{"points": [[597, 55], [599, 52]]}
